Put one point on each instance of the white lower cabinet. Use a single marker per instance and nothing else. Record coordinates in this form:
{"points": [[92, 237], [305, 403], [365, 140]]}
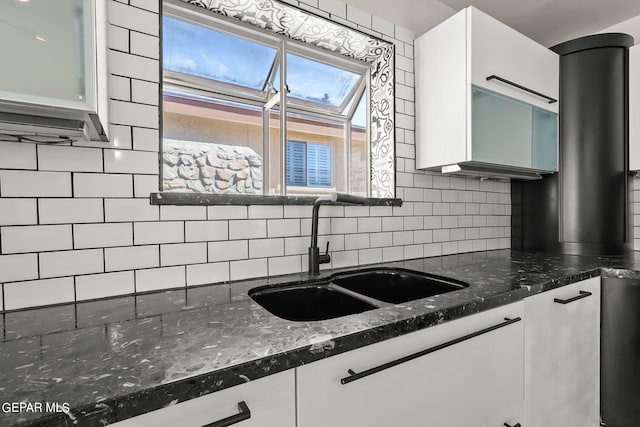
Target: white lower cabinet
{"points": [[468, 372], [562, 356], [270, 401]]}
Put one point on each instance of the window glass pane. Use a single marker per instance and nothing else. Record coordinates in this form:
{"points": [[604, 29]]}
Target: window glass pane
{"points": [[326, 154], [198, 51], [359, 152], [296, 163], [319, 165], [317, 82], [211, 145]]}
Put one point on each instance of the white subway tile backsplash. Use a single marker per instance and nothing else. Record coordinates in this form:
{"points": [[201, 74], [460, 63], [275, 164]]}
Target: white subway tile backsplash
{"points": [[102, 185], [283, 227], [18, 212], [18, 267], [35, 238], [17, 155], [228, 250], [266, 248], [183, 253], [285, 265], [369, 256], [143, 185], [37, 293], [119, 88], [248, 229], [69, 263], [74, 159], [104, 285], [127, 113], [413, 251], [296, 245], [133, 66], [133, 18], [227, 212], [344, 225], [344, 259], [127, 210], [265, 211], [173, 213], [382, 25], [202, 231], [120, 136], [423, 236], [356, 241], [160, 278], [131, 257], [359, 16], [145, 93], [126, 161], [152, 6], [202, 274], [336, 8], [145, 233], [248, 268], [369, 225], [118, 38], [146, 139], [393, 253], [14, 183], [144, 45], [70, 211], [102, 235]]}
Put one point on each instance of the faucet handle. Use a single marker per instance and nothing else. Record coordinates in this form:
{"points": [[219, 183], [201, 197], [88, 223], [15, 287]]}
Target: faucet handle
{"points": [[326, 252]]}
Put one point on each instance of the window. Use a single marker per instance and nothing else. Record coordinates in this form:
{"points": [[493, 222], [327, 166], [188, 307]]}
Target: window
{"points": [[308, 165], [249, 111]]}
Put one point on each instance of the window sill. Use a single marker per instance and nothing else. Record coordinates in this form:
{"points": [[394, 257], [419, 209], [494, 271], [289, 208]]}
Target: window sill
{"points": [[201, 199]]}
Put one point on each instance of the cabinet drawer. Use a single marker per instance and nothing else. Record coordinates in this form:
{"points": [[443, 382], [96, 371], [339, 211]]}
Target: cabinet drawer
{"points": [[270, 400], [462, 384], [562, 356], [497, 49]]}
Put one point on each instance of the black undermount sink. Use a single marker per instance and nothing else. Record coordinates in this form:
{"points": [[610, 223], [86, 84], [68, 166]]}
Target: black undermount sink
{"points": [[396, 285], [350, 293], [308, 302]]}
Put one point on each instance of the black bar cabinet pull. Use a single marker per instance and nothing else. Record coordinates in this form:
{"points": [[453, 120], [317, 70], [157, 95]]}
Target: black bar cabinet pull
{"points": [[583, 294], [509, 425], [244, 414], [353, 376], [526, 89]]}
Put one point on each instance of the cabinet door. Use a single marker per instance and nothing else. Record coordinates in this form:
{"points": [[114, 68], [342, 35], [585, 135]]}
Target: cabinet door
{"points": [[464, 384], [270, 400], [562, 357], [48, 51], [634, 108], [497, 49], [501, 129], [544, 142]]}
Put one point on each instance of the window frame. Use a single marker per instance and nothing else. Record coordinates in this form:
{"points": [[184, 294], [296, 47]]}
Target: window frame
{"points": [[184, 10]]}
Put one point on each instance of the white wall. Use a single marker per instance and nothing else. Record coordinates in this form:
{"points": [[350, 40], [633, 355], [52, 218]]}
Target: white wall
{"points": [[76, 223]]}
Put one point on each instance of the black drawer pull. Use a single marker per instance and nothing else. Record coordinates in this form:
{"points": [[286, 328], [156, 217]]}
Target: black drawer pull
{"points": [[526, 89], [353, 376], [509, 425], [244, 414], [583, 294]]}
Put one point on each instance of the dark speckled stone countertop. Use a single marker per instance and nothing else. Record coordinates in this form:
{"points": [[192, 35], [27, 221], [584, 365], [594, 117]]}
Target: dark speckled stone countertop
{"points": [[116, 358]]}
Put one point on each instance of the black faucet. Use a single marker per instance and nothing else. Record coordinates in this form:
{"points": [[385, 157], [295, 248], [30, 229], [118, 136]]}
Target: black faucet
{"points": [[315, 258]]}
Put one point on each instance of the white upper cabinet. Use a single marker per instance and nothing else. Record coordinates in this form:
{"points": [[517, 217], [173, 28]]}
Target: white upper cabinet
{"points": [[634, 108], [485, 94], [55, 62]]}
